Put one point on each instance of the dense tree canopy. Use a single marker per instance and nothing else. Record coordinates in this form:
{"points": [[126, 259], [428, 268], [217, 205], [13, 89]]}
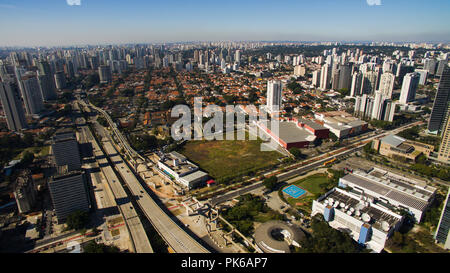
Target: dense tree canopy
{"points": [[77, 220], [326, 239], [93, 247], [270, 182]]}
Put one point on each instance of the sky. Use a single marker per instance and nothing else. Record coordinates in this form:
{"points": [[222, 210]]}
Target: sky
{"points": [[81, 22]]}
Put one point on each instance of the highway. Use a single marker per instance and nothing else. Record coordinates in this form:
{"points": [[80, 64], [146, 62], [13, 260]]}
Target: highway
{"points": [[178, 239], [137, 232]]}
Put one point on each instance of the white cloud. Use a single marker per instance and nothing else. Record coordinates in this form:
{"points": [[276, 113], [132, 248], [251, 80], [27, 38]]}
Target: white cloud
{"points": [[374, 2], [74, 2]]}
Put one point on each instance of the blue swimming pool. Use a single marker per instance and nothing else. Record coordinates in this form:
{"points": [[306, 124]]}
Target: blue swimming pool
{"points": [[294, 191]]}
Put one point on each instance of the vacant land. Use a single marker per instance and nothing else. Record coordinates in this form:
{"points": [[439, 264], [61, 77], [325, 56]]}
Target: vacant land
{"points": [[226, 159]]}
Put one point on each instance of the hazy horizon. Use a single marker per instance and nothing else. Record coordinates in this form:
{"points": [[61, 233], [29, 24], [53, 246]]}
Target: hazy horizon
{"points": [[50, 23]]}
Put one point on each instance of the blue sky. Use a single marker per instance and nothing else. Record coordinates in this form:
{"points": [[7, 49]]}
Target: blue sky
{"points": [[54, 22]]}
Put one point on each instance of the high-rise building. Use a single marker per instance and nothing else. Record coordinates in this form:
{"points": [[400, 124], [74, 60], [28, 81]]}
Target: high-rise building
{"points": [[15, 116], [335, 79], [369, 82], [46, 87], [31, 94], [60, 80], [69, 69], [104, 72], [440, 110], [196, 56], [345, 77], [44, 68], [46, 81], [402, 70], [325, 77], [409, 87], [356, 84], [444, 148], [430, 65], [387, 84], [94, 62], [377, 105], [274, 96], [66, 151], [389, 66], [300, 70], [441, 66], [423, 76], [25, 192], [388, 110], [442, 234], [316, 78], [237, 56], [69, 193]]}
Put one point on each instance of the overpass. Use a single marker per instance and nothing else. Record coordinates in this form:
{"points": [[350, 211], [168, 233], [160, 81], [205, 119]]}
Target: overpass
{"points": [[177, 238]]}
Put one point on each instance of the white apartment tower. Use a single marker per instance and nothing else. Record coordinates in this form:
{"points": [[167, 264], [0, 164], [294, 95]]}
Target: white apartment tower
{"points": [[409, 87], [274, 89], [387, 84]]}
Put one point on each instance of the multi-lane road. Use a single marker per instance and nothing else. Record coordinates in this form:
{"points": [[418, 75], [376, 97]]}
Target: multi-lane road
{"points": [[173, 234], [137, 232], [177, 238]]}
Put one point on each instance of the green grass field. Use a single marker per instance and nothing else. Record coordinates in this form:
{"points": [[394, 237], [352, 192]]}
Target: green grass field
{"points": [[311, 185], [226, 159]]}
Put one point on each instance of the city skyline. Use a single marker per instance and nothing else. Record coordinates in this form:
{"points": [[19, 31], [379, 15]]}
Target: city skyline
{"points": [[63, 22]]}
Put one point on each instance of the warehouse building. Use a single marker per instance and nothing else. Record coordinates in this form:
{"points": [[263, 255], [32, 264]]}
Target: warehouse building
{"points": [[315, 128], [342, 124], [289, 135], [177, 167]]}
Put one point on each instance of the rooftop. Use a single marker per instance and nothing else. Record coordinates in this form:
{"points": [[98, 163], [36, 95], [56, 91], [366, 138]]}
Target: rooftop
{"points": [[310, 123], [289, 132], [353, 206], [393, 140], [178, 163], [391, 189]]}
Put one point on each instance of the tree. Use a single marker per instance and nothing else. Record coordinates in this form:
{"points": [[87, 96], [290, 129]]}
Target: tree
{"points": [[77, 220], [252, 96], [368, 148], [93, 247], [102, 121], [326, 239], [270, 183], [27, 159], [91, 80], [296, 152]]}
